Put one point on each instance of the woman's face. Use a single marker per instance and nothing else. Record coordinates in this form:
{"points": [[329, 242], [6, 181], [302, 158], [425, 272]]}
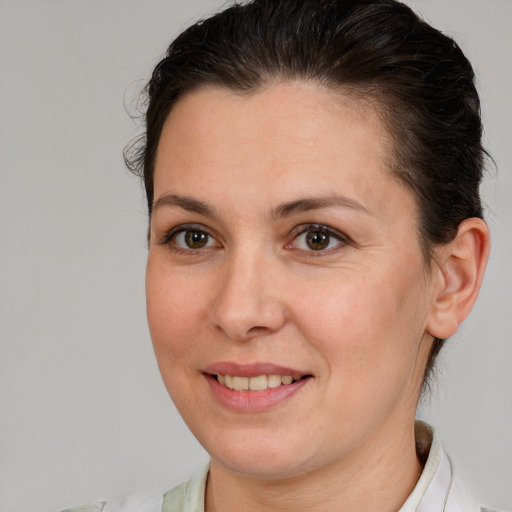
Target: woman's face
{"points": [[282, 248]]}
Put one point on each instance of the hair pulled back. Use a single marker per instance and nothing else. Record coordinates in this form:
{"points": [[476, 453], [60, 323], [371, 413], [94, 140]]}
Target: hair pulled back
{"points": [[376, 50]]}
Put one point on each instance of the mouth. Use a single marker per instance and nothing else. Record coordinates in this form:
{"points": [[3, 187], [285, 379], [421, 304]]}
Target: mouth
{"points": [[254, 388], [257, 383]]}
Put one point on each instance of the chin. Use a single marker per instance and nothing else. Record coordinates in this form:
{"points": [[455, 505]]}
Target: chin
{"points": [[264, 466], [264, 456]]}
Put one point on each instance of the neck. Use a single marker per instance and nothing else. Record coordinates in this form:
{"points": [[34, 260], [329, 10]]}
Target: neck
{"points": [[384, 471]]}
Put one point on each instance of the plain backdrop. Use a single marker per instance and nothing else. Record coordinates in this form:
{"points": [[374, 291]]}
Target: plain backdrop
{"points": [[83, 413]]}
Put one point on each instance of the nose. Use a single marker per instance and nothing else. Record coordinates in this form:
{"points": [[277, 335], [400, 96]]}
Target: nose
{"points": [[248, 304]]}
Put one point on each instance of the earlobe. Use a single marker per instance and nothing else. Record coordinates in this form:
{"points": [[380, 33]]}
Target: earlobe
{"points": [[457, 277]]}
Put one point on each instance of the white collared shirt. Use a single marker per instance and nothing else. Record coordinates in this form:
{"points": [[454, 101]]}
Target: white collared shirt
{"points": [[437, 489]]}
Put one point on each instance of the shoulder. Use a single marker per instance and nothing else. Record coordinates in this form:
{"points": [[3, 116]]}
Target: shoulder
{"points": [[186, 497], [97, 506], [126, 504]]}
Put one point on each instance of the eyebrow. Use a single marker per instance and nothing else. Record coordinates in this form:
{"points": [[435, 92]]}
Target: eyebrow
{"points": [[316, 203], [184, 202], [281, 211]]}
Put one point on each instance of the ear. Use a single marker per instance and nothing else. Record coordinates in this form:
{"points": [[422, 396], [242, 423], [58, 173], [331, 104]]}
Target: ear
{"points": [[457, 274]]}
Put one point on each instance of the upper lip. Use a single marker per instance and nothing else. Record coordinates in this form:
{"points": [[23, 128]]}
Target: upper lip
{"points": [[252, 369]]}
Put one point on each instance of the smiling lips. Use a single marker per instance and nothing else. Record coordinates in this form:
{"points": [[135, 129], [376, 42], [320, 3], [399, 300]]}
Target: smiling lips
{"points": [[254, 388]]}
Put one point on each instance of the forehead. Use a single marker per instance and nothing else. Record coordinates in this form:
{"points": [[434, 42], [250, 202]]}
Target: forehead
{"points": [[284, 112], [285, 140]]}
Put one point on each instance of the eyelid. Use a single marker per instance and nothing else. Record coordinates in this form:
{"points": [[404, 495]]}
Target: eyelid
{"points": [[167, 236], [304, 228]]}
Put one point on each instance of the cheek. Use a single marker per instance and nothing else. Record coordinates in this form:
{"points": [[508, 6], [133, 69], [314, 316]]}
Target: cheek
{"points": [[371, 352], [175, 314], [366, 325], [350, 306], [176, 318]]}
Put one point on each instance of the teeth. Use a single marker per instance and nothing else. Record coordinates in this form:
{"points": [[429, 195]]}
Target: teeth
{"points": [[273, 381], [229, 381], [241, 383], [259, 383]]}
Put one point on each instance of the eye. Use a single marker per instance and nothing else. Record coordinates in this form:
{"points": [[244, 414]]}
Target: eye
{"points": [[192, 239], [188, 238], [318, 238]]}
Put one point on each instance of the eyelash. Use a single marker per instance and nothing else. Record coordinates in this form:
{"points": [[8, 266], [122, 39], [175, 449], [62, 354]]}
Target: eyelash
{"points": [[343, 239], [169, 237]]}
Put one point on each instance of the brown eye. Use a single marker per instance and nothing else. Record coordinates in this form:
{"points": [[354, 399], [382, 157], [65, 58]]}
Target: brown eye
{"points": [[189, 239], [317, 240], [195, 239]]}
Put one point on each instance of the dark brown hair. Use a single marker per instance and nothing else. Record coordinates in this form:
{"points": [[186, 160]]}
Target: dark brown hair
{"points": [[376, 50]]}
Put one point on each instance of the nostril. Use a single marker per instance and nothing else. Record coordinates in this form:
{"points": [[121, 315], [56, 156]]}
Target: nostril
{"points": [[258, 330]]}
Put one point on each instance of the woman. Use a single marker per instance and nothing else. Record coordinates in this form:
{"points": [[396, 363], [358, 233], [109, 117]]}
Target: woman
{"points": [[312, 171]]}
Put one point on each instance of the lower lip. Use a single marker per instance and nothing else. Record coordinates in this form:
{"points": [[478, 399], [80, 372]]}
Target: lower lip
{"points": [[254, 401]]}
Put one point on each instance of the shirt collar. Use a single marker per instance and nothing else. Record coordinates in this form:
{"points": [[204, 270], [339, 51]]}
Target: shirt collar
{"points": [[437, 489]]}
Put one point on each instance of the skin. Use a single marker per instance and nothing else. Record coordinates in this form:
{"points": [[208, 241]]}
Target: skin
{"points": [[358, 316]]}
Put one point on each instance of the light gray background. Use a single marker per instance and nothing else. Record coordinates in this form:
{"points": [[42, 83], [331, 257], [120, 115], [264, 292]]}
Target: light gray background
{"points": [[83, 413]]}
